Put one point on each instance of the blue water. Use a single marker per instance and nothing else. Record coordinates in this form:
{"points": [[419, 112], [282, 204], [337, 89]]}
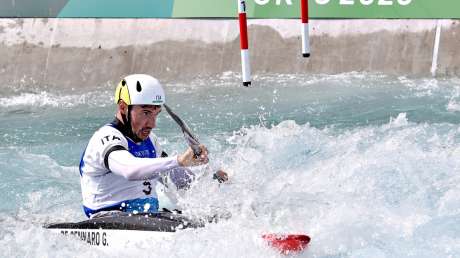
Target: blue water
{"points": [[368, 165]]}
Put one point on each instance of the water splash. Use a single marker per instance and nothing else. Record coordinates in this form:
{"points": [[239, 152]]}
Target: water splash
{"points": [[367, 165]]}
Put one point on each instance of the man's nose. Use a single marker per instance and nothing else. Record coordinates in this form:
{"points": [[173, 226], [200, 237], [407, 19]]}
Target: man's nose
{"points": [[152, 122]]}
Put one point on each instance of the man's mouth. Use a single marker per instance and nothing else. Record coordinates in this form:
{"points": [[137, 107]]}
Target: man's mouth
{"points": [[146, 131]]}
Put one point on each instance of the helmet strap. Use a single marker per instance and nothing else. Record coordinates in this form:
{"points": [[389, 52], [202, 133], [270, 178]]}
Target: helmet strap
{"points": [[128, 128], [125, 118]]}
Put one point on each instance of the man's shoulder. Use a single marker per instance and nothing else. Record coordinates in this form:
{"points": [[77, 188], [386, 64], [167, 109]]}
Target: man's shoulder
{"points": [[107, 134], [108, 128]]}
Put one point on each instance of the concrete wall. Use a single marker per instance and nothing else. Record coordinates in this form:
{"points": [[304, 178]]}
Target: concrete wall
{"points": [[89, 52]]}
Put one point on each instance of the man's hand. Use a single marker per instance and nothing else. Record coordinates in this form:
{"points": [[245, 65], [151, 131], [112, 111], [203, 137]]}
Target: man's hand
{"points": [[221, 176], [188, 159]]}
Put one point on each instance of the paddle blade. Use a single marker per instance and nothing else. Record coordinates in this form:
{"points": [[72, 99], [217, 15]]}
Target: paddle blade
{"points": [[287, 243]]}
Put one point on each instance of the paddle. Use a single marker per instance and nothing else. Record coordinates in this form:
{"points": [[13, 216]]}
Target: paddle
{"points": [[189, 137], [284, 243], [192, 141]]}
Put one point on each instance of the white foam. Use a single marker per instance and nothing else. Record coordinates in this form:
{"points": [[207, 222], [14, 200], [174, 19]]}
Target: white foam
{"points": [[453, 105], [372, 187], [421, 87], [351, 192], [385, 188], [399, 121], [44, 98], [449, 204]]}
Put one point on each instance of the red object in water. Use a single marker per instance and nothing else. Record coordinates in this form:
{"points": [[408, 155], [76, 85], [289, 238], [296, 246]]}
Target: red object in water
{"points": [[287, 243]]}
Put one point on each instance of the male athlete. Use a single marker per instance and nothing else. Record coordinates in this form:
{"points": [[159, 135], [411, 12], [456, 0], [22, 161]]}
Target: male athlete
{"points": [[123, 161]]}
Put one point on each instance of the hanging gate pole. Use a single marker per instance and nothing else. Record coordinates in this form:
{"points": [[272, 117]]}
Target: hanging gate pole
{"points": [[246, 69]]}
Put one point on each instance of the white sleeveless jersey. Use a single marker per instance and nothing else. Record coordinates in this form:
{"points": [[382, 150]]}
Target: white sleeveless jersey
{"points": [[100, 187]]}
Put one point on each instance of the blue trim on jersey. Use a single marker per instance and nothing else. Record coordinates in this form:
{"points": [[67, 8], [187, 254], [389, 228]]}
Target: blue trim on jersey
{"points": [[134, 206], [82, 163], [144, 149]]}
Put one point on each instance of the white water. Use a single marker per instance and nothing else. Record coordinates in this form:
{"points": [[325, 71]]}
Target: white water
{"points": [[367, 165]]}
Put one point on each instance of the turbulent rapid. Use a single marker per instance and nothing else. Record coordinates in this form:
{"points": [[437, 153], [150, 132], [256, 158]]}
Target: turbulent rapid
{"points": [[368, 165]]}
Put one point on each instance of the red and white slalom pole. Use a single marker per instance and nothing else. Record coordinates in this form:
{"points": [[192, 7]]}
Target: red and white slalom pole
{"points": [[305, 34], [244, 43]]}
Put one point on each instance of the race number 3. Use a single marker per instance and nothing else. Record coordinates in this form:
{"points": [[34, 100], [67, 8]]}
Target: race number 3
{"points": [[148, 187]]}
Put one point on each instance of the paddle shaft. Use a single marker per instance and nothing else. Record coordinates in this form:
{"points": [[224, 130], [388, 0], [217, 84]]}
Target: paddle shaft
{"points": [[189, 137]]}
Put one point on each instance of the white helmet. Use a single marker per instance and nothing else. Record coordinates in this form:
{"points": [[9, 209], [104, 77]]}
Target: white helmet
{"points": [[140, 89]]}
